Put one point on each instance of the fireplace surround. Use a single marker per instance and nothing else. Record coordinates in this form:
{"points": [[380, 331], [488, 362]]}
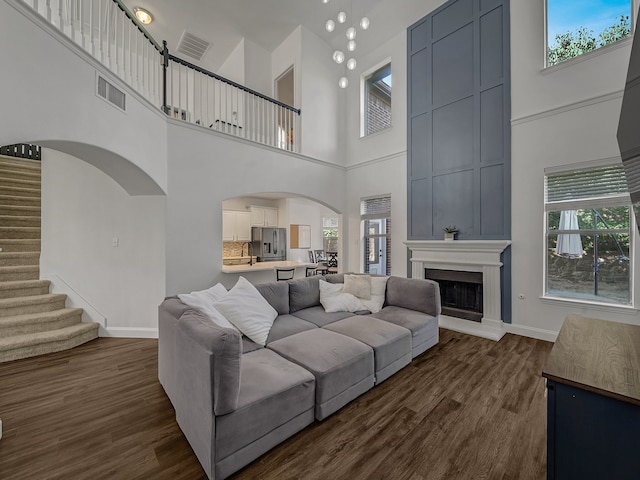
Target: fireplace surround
{"points": [[466, 256]]}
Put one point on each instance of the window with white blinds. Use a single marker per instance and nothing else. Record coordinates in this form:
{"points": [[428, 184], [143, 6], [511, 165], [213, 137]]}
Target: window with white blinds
{"points": [[375, 214], [589, 235]]}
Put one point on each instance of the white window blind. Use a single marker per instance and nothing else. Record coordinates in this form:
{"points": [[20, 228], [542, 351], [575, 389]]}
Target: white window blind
{"points": [[378, 207], [607, 181]]}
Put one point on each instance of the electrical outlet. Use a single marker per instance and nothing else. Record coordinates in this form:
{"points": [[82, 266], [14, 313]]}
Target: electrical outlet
{"points": [[115, 242]]}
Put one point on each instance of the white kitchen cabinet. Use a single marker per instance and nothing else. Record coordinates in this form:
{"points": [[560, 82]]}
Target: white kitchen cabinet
{"points": [[264, 216], [236, 226]]}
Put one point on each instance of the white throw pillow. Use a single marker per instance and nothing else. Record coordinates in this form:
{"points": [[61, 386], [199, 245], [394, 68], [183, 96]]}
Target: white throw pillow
{"points": [[248, 310], [203, 301], [358, 285], [378, 290], [334, 300]]}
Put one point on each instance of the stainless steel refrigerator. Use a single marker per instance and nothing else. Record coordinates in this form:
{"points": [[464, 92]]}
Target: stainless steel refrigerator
{"points": [[269, 244]]}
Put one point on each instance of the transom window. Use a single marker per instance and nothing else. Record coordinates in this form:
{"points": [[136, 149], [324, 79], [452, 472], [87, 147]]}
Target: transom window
{"points": [[575, 27], [589, 235]]}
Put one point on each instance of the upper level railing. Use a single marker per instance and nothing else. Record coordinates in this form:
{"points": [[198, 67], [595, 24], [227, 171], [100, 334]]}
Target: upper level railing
{"points": [[108, 31]]}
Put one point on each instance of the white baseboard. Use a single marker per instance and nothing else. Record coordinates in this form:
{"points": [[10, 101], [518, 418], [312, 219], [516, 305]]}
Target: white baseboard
{"points": [[492, 330], [538, 333], [129, 332], [75, 300]]}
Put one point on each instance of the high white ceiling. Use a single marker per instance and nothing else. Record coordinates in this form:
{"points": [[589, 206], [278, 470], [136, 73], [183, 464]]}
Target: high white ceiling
{"points": [[268, 22]]}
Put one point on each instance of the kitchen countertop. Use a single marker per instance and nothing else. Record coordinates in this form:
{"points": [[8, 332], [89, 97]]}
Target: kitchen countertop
{"points": [[261, 266]]}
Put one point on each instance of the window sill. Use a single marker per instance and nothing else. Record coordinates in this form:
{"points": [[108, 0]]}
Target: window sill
{"points": [[375, 134], [602, 307]]}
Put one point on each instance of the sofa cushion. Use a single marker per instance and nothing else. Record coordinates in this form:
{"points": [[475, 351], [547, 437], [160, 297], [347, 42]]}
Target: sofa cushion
{"points": [[358, 286], [224, 348], [304, 293], [343, 367], [423, 327], [204, 301], [333, 299], [319, 317], [277, 294], [391, 343], [272, 392], [248, 311], [286, 325], [414, 294]]}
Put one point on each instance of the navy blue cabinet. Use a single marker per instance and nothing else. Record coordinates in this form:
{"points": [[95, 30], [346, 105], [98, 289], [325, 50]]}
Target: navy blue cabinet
{"points": [[593, 401]]}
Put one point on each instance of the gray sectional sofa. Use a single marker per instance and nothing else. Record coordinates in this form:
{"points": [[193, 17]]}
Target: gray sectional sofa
{"points": [[235, 400]]}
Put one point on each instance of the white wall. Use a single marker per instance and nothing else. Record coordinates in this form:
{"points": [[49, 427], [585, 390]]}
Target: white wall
{"points": [[320, 100], [233, 67], [83, 210], [257, 68], [53, 98], [561, 116], [205, 168]]}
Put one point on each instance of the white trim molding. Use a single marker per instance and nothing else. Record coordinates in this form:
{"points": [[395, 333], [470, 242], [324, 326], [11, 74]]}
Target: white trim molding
{"points": [[467, 256], [129, 332], [75, 300]]}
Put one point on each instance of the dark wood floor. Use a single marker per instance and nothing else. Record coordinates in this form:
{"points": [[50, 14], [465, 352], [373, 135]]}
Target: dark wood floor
{"points": [[468, 409]]}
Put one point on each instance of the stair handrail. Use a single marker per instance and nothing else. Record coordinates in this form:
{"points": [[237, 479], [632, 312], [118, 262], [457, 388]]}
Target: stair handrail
{"points": [[138, 25], [168, 56], [22, 150]]}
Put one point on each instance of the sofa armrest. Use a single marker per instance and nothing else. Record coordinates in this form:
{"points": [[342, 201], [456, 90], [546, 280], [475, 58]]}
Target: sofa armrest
{"points": [[414, 294], [207, 380]]}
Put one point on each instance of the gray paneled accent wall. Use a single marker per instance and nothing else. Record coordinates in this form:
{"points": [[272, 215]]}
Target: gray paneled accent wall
{"points": [[459, 133], [459, 113]]}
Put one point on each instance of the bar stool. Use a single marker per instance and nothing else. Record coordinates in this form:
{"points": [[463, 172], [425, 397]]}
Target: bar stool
{"points": [[285, 273]]}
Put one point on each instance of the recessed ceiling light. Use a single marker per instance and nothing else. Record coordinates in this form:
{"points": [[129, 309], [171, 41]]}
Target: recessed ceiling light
{"points": [[143, 16]]}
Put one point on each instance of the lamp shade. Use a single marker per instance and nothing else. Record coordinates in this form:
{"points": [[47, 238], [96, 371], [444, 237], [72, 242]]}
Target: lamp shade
{"points": [[351, 33], [338, 56], [364, 23], [343, 82], [342, 17], [351, 63], [351, 45], [330, 26]]}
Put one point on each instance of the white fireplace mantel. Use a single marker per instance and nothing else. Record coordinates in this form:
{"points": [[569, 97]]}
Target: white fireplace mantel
{"points": [[467, 256]]}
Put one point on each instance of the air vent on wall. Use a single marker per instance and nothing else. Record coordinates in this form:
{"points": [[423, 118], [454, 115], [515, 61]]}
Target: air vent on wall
{"points": [[192, 46], [111, 93]]}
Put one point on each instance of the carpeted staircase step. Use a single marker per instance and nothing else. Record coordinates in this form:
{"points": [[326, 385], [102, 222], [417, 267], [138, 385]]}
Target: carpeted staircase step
{"points": [[20, 244], [19, 173], [20, 272], [20, 232], [21, 191], [19, 221], [23, 163], [32, 344], [31, 304], [39, 322], [24, 288], [19, 200], [20, 210], [14, 259], [18, 182]]}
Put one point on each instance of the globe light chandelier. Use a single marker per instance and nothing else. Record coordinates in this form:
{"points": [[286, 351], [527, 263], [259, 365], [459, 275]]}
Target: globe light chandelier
{"points": [[339, 56]]}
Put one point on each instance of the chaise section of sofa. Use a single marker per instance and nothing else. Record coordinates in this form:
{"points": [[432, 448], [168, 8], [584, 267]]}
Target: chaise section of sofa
{"points": [[233, 407]]}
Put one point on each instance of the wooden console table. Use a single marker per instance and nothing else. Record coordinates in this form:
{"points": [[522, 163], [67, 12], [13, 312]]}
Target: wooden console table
{"points": [[593, 401]]}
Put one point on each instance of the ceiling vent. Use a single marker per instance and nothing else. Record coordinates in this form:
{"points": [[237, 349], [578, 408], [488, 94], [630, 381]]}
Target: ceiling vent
{"points": [[192, 46]]}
